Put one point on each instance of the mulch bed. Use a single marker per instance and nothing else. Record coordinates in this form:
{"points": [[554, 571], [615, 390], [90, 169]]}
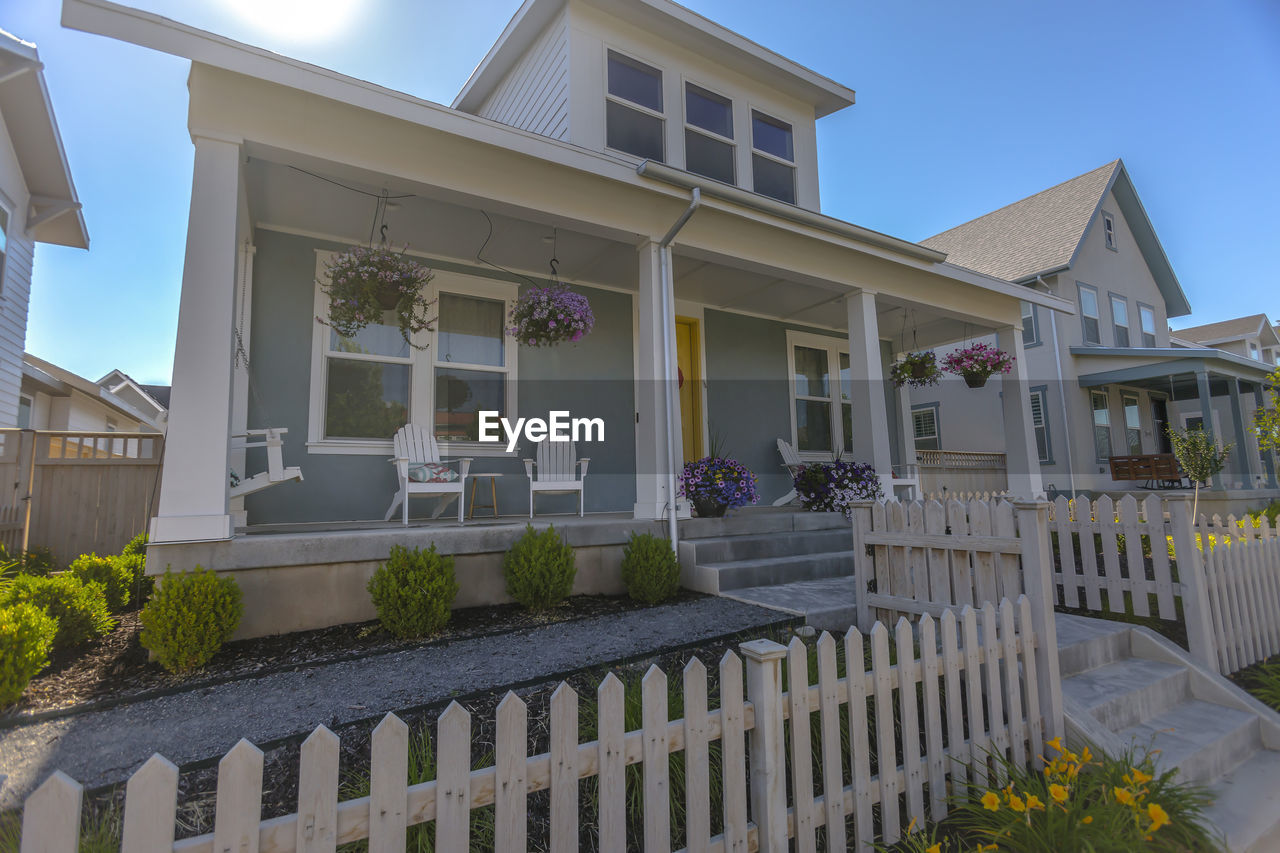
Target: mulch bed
{"points": [[115, 668]]}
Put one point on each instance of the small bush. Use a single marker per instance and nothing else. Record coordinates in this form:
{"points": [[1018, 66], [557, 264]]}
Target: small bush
{"points": [[189, 618], [26, 636], [414, 591], [80, 608], [650, 569], [36, 561], [539, 569], [137, 547], [114, 574]]}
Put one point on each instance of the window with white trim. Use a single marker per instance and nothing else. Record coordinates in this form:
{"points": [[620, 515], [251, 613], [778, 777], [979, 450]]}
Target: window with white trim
{"points": [[1132, 424], [4, 246], [1120, 319], [1253, 352], [1147, 319], [773, 158], [821, 385], [24, 411], [634, 119], [1089, 318], [924, 427], [709, 148], [1109, 231], [1030, 325], [1101, 425], [469, 367], [367, 382], [1040, 425]]}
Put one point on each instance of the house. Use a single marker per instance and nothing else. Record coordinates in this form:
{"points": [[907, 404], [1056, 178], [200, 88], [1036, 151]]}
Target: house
{"points": [[1253, 337], [38, 203], [151, 400], [1106, 384], [668, 165], [56, 399]]}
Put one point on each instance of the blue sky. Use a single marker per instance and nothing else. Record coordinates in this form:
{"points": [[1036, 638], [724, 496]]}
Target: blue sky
{"points": [[962, 108]]}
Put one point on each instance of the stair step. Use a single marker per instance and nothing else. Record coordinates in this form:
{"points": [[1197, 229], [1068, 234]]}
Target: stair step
{"points": [[1128, 691], [723, 549], [769, 571], [1085, 643], [1247, 804], [1202, 739], [827, 605]]}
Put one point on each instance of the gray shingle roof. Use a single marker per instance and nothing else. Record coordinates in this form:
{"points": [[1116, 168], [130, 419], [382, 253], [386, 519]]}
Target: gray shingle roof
{"points": [[1035, 235], [1238, 327]]}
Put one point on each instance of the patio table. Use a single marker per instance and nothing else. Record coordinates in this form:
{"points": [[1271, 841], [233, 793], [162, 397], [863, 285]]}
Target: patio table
{"points": [[493, 493]]}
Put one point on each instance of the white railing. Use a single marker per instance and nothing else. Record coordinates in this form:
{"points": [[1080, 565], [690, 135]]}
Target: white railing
{"points": [[961, 471], [998, 712]]}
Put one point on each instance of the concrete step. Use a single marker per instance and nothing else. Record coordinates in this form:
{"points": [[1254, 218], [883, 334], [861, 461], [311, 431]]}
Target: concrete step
{"points": [[723, 549], [1247, 804], [769, 571], [827, 604], [1128, 691], [1203, 740], [1085, 643]]}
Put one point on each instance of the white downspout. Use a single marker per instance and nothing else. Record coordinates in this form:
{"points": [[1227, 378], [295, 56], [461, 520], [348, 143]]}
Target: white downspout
{"points": [[1062, 396], [668, 337]]}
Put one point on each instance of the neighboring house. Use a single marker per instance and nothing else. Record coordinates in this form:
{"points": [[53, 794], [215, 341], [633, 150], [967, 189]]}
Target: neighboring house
{"points": [[1106, 383], [56, 399], [38, 202], [151, 400], [1253, 337]]}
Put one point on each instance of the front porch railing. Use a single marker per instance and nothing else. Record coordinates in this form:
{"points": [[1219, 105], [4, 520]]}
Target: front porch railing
{"points": [[961, 471]]}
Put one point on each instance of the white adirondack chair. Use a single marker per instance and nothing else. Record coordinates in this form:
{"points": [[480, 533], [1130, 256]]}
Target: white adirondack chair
{"points": [[559, 471], [275, 473], [792, 462], [414, 444]]}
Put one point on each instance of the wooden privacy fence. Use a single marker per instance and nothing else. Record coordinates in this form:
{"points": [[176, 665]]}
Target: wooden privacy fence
{"points": [[822, 756], [76, 492], [961, 471]]}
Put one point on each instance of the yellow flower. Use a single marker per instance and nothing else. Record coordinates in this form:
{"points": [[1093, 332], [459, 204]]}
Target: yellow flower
{"points": [[1088, 819], [1085, 755], [986, 848], [1124, 796], [934, 848], [1159, 817], [1056, 743], [1140, 778], [1058, 793], [1033, 802], [990, 801], [1016, 803]]}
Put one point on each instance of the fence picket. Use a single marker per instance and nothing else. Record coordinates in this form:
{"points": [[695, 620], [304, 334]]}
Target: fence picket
{"points": [[1104, 519], [511, 785], [1134, 564], [916, 557], [1083, 513], [909, 716], [801, 746], [657, 785], [1008, 565], [388, 787], [150, 807], [995, 711], [1153, 511], [1012, 690], [859, 746], [979, 739], [1269, 556], [1067, 553], [733, 755], [961, 570], [51, 817], [1226, 603], [697, 784], [935, 522], [453, 780], [887, 763], [984, 568], [952, 663], [317, 829], [900, 579], [1031, 683], [932, 720], [880, 555], [564, 770], [238, 804], [832, 760]]}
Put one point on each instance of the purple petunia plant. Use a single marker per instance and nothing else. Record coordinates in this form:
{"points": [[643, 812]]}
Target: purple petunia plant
{"points": [[834, 486], [365, 282], [978, 360], [719, 480], [546, 316], [917, 369]]}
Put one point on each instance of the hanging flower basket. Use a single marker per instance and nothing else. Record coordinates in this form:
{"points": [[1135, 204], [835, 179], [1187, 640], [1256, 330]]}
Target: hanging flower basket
{"points": [[366, 282], [977, 362], [916, 369], [715, 484], [546, 316]]}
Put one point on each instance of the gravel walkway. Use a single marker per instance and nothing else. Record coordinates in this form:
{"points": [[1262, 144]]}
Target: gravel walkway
{"points": [[103, 747]]}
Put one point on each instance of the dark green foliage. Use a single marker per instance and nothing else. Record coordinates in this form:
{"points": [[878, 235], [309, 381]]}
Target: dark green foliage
{"points": [[26, 636], [650, 569], [137, 547], [1271, 511], [80, 608], [189, 618], [414, 591], [539, 569], [114, 574], [1263, 681], [36, 561]]}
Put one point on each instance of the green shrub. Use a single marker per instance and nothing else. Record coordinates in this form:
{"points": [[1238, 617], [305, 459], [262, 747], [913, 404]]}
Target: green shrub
{"points": [[114, 574], [137, 547], [650, 569], [1271, 511], [539, 569], [80, 608], [189, 618], [414, 591], [26, 636], [36, 561]]}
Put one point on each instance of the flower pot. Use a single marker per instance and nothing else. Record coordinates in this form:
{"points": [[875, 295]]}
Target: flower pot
{"points": [[709, 508], [975, 380], [919, 370], [387, 296]]}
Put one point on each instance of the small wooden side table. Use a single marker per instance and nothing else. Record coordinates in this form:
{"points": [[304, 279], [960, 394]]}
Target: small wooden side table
{"points": [[493, 493]]}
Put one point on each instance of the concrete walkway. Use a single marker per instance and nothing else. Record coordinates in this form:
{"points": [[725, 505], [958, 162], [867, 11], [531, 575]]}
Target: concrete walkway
{"points": [[103, 747]]}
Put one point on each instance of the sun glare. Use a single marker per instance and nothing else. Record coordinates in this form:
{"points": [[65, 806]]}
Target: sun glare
{"points": [[298, 20]]}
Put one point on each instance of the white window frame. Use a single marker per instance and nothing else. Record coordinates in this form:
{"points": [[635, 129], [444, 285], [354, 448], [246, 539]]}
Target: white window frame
{"points": [[421, 363], [1116, 325], [1255, 352], [1109, 232], [6, 209], [685, 83], [31, 409], [1145, 310], [1040, 393], [835, 347], [1126, 398], [795, 177], [1081, 287], [661, 115], [1111, 443], [933, 409], [1030, 325]]}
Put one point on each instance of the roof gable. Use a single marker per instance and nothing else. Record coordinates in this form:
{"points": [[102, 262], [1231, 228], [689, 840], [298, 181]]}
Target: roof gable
{"points": [[1253, 325]]}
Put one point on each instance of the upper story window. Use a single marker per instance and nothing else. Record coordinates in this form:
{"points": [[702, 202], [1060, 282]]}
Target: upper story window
{"points": [[1030, 325], [708, 134], [1109, 230], [4, 244], [1120, 319], [633, 108], [772, 158], [1089, 314], [1253, 352], [1147, 317]]}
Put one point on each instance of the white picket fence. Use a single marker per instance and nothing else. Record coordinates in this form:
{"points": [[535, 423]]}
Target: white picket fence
{"points": [[973, 696], [1243, 583]]}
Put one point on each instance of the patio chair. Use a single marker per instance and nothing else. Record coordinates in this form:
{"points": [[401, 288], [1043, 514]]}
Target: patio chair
{"points": [[275, 473], [421, 471], [791, 461], [559, 471]]}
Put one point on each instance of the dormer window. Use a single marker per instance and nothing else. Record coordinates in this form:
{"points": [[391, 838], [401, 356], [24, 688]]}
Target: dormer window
{"points": [[1109, 230], [772, 158], [708, 134], [633, 108]]}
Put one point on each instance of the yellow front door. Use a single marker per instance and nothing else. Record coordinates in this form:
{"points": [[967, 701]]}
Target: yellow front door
{"points": [[687, 358]]}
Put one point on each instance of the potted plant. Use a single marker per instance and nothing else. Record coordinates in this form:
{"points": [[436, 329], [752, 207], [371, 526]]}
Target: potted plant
{"points": [[977, 362], [364, 282], [715, 484], [832, 487], [546, 316], [916, 369]]}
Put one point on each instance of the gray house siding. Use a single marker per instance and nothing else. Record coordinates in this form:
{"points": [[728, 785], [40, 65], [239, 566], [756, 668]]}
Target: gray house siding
{"points": [[534, 95]]}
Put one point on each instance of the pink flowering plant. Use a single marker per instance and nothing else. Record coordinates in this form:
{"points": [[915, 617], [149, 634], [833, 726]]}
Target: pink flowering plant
{"points": [[978, 360], [364, 282], [546, 316], [718, 481], [834, 486], [917, 369]]}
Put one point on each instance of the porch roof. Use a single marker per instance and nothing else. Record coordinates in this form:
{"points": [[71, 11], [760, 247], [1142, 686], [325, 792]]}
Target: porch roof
{"points": [[1156, 368]]}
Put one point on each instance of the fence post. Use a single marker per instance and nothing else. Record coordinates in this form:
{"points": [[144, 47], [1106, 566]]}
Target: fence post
{"points": [[1038, 582], [25, 484], [863, 567], [768, 757], [1195, 587]]}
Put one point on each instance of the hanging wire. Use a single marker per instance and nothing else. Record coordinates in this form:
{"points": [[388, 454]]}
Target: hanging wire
{"points": [[381, 194], [915, 339], [480, 254]]}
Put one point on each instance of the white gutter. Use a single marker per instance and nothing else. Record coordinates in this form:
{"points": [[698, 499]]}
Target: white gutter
{"points": [[668, 337]]}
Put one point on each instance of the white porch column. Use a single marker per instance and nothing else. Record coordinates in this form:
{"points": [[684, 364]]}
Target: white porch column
{"points": [[1022, 461], [1268, 456], [652, 457], [193, 489], [1206, 412], [907, 429], [870, 444], [240, 362], [1248, 459]]}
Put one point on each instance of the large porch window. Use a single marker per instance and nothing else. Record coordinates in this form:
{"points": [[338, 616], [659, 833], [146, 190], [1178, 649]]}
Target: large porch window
{"points": [[1132, 424], [1101, 425], [470, 364], [821, 387]]}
